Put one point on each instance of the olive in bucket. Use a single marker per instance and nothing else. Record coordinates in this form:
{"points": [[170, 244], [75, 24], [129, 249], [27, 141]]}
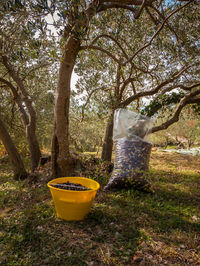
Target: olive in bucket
{"points": [[73, 196]]}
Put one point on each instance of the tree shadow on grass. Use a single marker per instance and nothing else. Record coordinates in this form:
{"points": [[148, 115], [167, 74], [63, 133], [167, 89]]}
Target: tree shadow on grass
{"points": [[175, 210], [172, 206], [107, 226], [179, 188], [38, 234], [115, 223]]}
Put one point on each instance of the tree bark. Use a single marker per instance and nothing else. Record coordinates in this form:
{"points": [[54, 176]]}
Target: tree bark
{"points": [[28, 116], [189, 144], [62, 161], [17, 164], [33, 144], [166, 142], [108, 142], [29, 122]]}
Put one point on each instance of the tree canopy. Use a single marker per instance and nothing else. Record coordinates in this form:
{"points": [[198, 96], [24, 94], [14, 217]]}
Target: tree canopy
{"points": [[127, 53]]}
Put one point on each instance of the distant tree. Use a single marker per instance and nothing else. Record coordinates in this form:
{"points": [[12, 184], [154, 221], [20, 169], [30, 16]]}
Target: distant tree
{"points": [[16, 161], [76, 20], [86, 129], [187, 129], [23, 51]]}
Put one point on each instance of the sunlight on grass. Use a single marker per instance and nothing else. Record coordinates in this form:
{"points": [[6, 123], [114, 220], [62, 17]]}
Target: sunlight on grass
{"points": [[123, 228], [7, 187]]}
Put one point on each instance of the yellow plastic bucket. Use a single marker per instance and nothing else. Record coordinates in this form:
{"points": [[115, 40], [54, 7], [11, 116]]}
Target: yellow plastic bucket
{"points": [[73, 205]]}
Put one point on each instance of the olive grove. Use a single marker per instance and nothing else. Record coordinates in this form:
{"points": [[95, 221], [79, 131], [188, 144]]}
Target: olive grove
{"points": [[25, 69], [163, 71], [124, 51]]}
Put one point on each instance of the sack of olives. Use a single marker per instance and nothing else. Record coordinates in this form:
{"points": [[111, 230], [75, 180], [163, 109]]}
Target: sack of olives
{"points": [[132, 151]]}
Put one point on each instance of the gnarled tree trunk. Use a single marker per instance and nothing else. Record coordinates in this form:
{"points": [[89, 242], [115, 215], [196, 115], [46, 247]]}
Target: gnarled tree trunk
{"points": [[33, 143], [108, 142], [28, 115], [62, 161], [17, 164]]}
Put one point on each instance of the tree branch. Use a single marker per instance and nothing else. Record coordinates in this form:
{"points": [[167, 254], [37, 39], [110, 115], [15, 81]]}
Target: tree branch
{"points": [[9, 84], [181, 86], [116, 5], [156, 33], [35, 68], [167, 89], [131, 2], [183, 69], [190, 87], [162, 16], [113, 39], [125, 84], [185, 100], [122, 49], [87, 102], [20, 84], [126, 2], [155, 21], [86, 47], [17, 99], [118, 77], [139, 12], [157, 88], [194, 100]]}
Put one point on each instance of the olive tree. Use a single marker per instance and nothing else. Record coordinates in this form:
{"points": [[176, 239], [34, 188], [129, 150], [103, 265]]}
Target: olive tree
{"points": [[75, 20], [78, 18], [16, 161], [158, 68], [24, 51]]}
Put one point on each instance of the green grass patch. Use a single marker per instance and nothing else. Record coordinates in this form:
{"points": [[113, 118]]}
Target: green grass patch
{"points": [[123, 228]]}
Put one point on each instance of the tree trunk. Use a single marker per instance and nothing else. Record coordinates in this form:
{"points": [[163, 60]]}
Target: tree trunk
{"points": [[62, 161], [108, 142], [33, 146], [166, 142], [189, 144], [17, 164], [28, 115], [106, 154]]}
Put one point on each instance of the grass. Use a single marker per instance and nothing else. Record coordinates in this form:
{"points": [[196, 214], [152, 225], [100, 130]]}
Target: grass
{"points": [[123, 228]]}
